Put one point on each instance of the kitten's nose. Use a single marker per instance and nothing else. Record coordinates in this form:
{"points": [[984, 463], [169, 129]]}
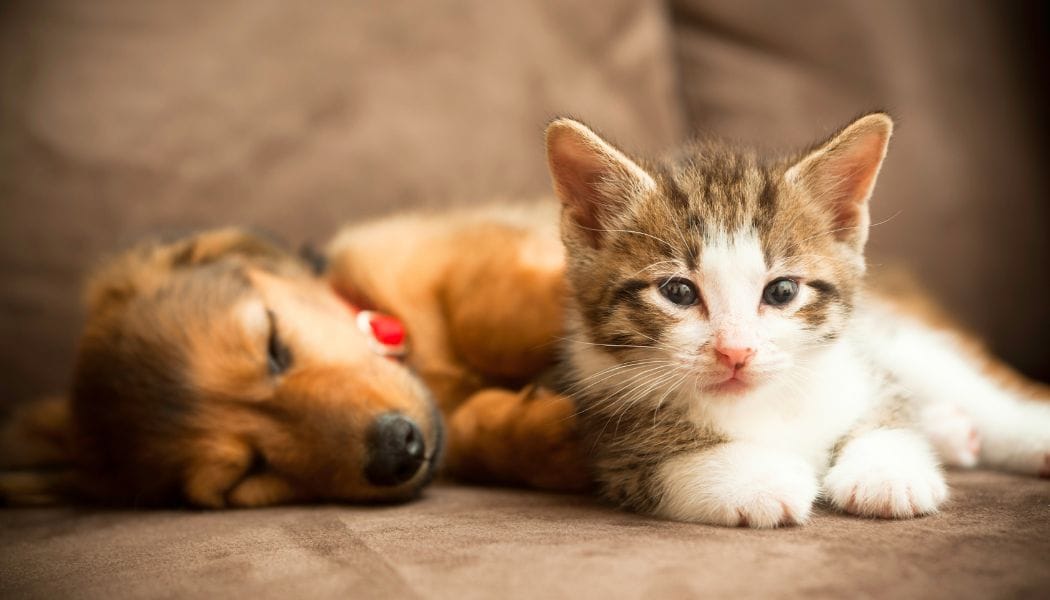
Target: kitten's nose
{"points": [[734, 358]]}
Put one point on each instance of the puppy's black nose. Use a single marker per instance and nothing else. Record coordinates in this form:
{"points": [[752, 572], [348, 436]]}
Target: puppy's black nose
{"points": [[396, 450]]}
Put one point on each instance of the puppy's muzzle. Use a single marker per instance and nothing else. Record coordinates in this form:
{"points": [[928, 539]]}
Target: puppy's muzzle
{"points": [[397, 450]]}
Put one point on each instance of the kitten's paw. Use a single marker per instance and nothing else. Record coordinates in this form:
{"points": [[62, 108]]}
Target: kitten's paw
{"points": [[888, 473], [952, 433], [738, 485]]}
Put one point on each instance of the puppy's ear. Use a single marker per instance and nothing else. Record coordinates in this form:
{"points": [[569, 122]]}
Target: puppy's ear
{"points": [[841, 174], [593, 179], [314, 258], [148, 265], [212, 245]]}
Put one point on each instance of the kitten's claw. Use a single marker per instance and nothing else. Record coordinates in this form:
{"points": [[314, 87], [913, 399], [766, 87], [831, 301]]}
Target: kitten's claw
{"points": [[886, 474]]}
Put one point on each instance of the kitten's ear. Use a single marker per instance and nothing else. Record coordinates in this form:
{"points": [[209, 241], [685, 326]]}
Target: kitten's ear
{"points": [[592, 178], [841, 174]]}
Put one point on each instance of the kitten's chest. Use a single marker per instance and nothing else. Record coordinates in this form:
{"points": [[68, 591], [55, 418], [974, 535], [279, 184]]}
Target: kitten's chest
{"points": [[804, 416]]}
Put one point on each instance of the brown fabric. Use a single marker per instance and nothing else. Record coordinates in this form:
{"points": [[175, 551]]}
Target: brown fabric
{"points": [[962, 196], [123, 118], [993, 540], [119, 119]]}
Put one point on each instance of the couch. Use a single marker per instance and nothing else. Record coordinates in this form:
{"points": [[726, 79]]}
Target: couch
{"points": [[120, 119]]}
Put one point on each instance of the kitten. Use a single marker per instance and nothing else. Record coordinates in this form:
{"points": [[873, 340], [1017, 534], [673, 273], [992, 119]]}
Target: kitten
{"points": [[728, 363]]}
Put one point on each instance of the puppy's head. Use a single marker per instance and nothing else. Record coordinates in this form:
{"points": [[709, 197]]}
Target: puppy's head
{"points": [[218, 369]]}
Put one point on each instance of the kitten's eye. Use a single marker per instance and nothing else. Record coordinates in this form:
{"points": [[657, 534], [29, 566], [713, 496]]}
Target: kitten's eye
{"points": [[278, 356], [780, 291], [680, 291]]}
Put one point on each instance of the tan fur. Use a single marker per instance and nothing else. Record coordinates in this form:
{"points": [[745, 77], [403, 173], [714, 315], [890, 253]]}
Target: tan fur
{"points": [[481, 292]]}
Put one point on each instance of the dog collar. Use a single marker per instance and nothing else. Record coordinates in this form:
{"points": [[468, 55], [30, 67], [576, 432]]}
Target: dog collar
{"points": [[386, 333]]}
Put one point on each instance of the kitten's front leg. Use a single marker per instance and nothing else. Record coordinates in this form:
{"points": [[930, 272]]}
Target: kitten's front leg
{"points": [[887, 472], [737, 484]]}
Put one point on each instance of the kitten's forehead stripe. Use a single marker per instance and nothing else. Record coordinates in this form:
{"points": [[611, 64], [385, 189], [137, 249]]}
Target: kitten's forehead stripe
{"points": [[726, 191], [730, 191]]}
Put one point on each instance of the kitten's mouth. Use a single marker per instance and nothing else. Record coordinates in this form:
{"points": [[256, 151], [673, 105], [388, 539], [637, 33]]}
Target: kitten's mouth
{"points": [[734, 384]]}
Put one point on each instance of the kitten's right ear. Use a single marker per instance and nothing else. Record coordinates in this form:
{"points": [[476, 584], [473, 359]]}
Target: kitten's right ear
{"points": [[841, 174], [591, 177]]}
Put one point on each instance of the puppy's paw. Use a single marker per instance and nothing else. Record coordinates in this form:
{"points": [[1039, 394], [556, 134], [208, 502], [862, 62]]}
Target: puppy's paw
{"points": [[262, 489], [738, 485], [952, 433], [887, 473]]}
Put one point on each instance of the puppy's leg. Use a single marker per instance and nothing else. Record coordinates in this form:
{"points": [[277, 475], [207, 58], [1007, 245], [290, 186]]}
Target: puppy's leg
{"points": [[527, 437], [504, 302], [37, 434], [262, 489], [36, 454], [217, 466], [36, 488]]}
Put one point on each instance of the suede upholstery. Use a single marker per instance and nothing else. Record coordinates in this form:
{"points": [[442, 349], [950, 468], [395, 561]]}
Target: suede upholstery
{"points": [[990, 542], [120, 119]]}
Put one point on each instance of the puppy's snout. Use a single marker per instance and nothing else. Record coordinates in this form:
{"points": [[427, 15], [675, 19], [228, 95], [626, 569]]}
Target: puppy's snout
{"points": [[396, 450]]}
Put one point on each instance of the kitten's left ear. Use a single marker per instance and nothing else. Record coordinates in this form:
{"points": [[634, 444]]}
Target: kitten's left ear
{"points": [[592, 178], [841, 174]]}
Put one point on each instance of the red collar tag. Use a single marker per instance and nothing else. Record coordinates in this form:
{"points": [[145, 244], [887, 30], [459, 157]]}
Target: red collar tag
{"points": [[386, 333]]}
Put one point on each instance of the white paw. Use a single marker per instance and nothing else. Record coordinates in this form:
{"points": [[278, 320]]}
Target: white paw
{"points": [[738, 485], [887, 473], [952, 433]]}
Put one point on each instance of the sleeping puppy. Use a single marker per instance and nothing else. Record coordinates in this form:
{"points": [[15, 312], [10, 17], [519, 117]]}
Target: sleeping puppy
{"points": [[221, 370]]}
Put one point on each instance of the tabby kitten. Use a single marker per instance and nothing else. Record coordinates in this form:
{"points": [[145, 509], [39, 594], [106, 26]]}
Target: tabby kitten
{"points": [[729, 365]]}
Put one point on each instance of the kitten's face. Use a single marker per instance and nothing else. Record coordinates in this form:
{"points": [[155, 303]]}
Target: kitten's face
{"points": [[712, 270]]}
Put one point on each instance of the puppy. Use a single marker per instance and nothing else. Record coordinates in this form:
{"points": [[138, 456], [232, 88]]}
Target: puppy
{"points": [[220, 370]]}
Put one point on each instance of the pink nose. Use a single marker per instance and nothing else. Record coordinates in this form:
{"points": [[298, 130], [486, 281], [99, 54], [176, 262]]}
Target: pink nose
{"points": [[735, 358]]}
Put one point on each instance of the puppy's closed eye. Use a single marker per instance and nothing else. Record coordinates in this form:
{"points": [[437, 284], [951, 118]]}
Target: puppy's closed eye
{"points": [[278, 355]]}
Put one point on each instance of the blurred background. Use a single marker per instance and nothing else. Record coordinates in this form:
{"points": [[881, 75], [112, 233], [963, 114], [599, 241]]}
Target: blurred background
{"points": [[123, 118]]}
